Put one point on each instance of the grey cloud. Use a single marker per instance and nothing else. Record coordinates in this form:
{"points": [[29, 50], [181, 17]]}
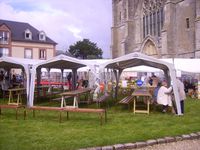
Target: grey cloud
{"points": [[91, 17]]}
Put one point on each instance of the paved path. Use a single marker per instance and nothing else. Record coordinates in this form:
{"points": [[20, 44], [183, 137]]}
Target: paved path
{"points": [[180, 145]]}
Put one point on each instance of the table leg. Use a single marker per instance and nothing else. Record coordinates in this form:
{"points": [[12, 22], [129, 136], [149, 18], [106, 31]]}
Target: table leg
{"points": [[134, 103], [62, 101], [10, 95], [148, 101], [18, 97], [75, 105]]}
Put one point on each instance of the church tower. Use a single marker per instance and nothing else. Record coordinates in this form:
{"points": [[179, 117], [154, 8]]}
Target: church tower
{"points": [[159, 28]]}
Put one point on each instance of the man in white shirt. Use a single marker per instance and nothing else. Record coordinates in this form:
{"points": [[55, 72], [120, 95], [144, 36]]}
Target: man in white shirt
{"points": [[164, 97]]}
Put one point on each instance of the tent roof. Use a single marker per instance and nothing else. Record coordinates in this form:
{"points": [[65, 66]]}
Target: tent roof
{"points": [[62, 62], [142, 69], [13, 62], [136, 59], [187, 65]]}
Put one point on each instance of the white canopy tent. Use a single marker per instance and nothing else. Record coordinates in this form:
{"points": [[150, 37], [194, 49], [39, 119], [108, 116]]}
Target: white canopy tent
{"points": [[137, 59], [60, 62], [8, 63], [187, 65], [92, 70], [134, 62]]}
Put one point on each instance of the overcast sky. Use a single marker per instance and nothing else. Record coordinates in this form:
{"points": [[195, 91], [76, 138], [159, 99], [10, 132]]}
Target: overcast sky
{"points": [[65, 21]]}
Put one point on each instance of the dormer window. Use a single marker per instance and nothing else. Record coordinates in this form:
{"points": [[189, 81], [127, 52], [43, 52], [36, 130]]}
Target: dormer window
{"points": [[28, 34], [42, 36]]}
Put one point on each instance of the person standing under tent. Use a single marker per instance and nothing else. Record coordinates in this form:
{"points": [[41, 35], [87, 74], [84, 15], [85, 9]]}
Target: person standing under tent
{"points": [[155, 93], [69, 77], [144, 79], [97, 89], [155, 80], [182, 94], [1, 79]]}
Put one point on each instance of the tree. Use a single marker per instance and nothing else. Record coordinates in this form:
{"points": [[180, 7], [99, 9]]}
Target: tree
{"points": [[85, 50]]}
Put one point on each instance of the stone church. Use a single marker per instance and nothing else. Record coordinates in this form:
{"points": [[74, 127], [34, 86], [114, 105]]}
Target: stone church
{"points": [[159, 28]]}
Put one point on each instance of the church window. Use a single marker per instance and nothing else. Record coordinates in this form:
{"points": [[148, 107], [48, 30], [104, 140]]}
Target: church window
{"points": [[144, 27], [187, 23], [153, 13], [125, 13], [154, 23], [147, 25], [162, 16], [158, 22], [151, 24], [120, 16]]}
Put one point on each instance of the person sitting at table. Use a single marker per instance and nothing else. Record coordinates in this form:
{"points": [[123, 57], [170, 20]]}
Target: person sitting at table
{"points": [[164, 97]]}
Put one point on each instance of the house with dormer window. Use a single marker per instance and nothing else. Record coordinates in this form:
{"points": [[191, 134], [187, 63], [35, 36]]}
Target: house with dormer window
{"points": [[19, 39]]}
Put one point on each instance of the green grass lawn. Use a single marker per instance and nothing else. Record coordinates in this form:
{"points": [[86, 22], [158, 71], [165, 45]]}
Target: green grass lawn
{"points": [[83, 130]]}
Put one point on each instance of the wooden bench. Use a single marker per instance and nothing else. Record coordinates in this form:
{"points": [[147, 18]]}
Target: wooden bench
{"points": [[101, 99], [48, 109], [101, 112], [16, 107], [126, 100], [69, 109]]}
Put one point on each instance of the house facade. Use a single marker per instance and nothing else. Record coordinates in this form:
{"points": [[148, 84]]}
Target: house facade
{"points": [[19, 39], [159, 28]]}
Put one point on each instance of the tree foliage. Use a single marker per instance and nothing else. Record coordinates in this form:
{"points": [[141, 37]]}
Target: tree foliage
{"points": [[85, 49]]}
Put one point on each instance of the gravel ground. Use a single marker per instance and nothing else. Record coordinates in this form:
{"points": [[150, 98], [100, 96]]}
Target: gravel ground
{"points": [[180, 145]]}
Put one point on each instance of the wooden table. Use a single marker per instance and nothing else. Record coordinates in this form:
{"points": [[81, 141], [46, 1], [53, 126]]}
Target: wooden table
{"points": [[76, 94], [141, 94], [12, 100]]}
